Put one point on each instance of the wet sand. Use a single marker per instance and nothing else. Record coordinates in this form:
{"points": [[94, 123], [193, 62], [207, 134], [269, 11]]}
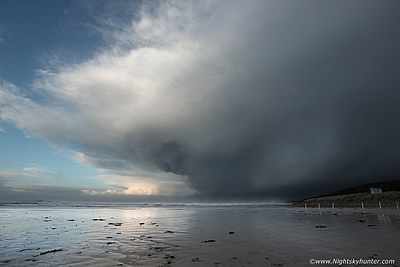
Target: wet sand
{"points": [[193, 235]]}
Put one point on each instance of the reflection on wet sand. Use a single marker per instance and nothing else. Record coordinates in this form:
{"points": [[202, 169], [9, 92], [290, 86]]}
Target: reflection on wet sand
{"points": [[186, 235]]}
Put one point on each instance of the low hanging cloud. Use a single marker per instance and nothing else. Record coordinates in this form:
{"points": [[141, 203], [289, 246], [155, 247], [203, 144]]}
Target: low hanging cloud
{"points": [[152, 184], [242, 99]]}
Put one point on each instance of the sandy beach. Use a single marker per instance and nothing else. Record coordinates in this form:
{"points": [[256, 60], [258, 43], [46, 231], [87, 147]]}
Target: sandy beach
{"points": [[193, 235]]}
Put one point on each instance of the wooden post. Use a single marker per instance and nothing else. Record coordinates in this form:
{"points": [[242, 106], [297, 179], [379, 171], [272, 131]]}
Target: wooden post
{"points": [[380, 205], [362, 205]]}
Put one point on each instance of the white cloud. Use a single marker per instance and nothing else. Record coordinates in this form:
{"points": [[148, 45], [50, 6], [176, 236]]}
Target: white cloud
{"points": [[38, 170], [104, 104], [154, 184], [101, 192], [2, 130], [8, 175], [46, 190]]}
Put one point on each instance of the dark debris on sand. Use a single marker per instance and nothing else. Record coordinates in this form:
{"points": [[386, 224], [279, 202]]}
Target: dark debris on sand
{"points": [[25, 249], [115, 224], [208, 241], [50, 251], [169, 256]]}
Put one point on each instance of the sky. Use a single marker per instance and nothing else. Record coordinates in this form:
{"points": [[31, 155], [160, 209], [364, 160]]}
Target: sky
{"points": [[197, 100]]}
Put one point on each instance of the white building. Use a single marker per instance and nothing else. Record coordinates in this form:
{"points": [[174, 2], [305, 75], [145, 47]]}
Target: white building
{"points": [[375, 190]]}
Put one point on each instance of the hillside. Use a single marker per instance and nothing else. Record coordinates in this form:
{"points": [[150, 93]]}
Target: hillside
{"points": [[357, 194], [358, 197], [393, 185]]}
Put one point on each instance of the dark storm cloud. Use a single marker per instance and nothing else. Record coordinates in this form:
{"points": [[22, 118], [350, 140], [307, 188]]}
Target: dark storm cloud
{"points": [[312, 102], [263, 99]]}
